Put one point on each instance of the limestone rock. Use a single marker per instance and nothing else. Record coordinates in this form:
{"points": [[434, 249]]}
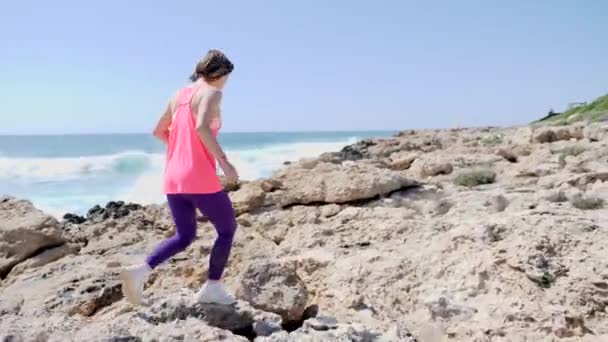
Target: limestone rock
{"points": [[442, 261], [270, 185], [509, 155], [24, 230], [352, 152], [44, 258], [522, 136], [314, 331], [330, 210], [401, 162], [546, 136], [249, 197], [550, 134], [596, 131], [274, 287], [432, 169], [330, 183]]}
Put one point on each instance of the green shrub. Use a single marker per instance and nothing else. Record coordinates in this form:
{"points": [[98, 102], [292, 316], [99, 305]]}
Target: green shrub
{"points": [[475, 178], [594, 111], [492, 140]]}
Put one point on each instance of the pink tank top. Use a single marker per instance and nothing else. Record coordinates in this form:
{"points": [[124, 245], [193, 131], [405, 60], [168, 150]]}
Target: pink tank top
{"points": [[190, 168]]}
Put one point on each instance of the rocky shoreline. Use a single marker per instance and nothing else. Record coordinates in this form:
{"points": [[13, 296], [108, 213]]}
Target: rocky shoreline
{"points": [[485, 234]]}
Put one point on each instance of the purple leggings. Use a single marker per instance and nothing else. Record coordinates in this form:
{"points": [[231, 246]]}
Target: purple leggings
{"points": [[218, 208]]}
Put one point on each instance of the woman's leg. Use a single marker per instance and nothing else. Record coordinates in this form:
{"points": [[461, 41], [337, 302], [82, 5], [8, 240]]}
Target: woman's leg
{"points": [[184, 216], [218, 208]]}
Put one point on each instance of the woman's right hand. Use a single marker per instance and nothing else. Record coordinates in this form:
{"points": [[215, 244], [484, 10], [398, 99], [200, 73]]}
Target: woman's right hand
{"points": [[229, 170]]}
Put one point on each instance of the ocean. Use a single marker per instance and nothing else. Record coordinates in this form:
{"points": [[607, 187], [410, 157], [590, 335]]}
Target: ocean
{"points": [[71, 173]]}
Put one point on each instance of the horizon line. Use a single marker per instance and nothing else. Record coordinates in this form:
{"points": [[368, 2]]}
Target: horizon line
{"points": [[225, 132], [4, 134]]}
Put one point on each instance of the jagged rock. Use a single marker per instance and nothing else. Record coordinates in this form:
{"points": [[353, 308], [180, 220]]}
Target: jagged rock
{"points": [[181, 306], [74, 219], [353, 152], [97, 211], [546, 136], [493, 233], [120, 209], [44, 258], [539, 261], [391, 261], [274, 287], [24, 231], [124, 327], [330, 183], [441, 207], [94, 295], [321, 323], [266, 324], [549, 135], [445, 308], [509, 155], [249, 197], [432, 169], [338, 333], [596, 131], [400, 163], [113, 209], [270, 185]]}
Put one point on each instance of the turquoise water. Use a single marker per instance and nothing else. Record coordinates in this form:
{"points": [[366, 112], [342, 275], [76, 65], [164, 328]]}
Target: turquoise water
{"points": [[71, 173]]}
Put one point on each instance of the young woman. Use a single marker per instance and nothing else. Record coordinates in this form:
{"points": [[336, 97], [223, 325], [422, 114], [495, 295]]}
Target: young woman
{"points": [[189, 126]]}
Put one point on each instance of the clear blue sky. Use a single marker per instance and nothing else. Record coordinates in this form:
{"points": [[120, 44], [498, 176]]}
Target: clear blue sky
{"points": [[109, 66]]}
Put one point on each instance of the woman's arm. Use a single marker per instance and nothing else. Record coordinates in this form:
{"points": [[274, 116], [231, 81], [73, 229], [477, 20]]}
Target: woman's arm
{"points": [[162, 127], [208, 107], [161, 131]]}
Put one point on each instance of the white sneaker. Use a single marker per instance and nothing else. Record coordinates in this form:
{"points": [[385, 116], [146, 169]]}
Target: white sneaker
{"points": [[133, 280], [214, 293]]}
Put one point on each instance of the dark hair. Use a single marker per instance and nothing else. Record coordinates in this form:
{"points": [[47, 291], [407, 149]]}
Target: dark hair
{"points": [[212, 67]]}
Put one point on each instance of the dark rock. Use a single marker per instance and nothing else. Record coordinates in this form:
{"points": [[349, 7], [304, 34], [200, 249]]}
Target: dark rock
{"points": [[113, 206], [96, 211], [113, 209], [310, 312], [133, 206], [352, 152], [73, 218], [125, 339], [358, 244]]}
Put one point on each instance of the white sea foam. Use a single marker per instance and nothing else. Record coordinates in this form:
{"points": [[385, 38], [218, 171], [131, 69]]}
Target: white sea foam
{"points": [[56, 169], [250, 163], [70, 184]]}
